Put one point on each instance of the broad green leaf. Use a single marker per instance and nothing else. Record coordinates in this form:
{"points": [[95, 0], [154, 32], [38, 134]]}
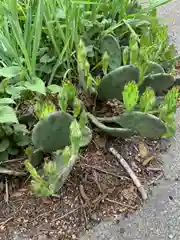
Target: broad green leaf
{"points": [[20, 128], [7, 129], [22, 140], [7, 115], [10, 72], [47, 59], [3, 156], [37, 85], [15, 91], [12, 150], [4, 101], [54, 88], [4, 144]]}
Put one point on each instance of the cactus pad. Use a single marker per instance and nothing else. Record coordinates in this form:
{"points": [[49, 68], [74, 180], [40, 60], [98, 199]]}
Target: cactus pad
{"points": [[154, 68], [37, 158], [159, 82], [146, 125], [110, 45], [115, 132], [86, 137], [52, 132], [112, 85]]}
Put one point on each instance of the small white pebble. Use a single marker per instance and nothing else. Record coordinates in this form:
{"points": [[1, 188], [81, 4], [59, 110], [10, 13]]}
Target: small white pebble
{"points": [[73, 236]]}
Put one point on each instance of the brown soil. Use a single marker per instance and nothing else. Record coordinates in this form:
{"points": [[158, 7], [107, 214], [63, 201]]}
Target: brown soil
{"points": [[98, 188]]}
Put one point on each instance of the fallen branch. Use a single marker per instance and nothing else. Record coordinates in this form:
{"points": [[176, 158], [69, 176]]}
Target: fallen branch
{"points": [[130, 172]]}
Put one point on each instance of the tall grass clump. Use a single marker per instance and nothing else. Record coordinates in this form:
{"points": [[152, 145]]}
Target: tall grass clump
{"points": [[39, 37]]}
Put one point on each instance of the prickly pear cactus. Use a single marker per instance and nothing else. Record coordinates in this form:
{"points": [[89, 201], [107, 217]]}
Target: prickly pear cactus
{"points": [[112, 85], [110, 45], [52, 133], [86, 136], [146, 125], [37, 157], [115, 132], [154, 68], [159, 82]]}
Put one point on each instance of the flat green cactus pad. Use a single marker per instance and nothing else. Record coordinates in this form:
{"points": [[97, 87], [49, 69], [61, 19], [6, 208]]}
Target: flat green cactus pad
{"points": [[52, 132], [112, 85], [37, 158], [154, 68], [146, 125], [86, 137], [110, 45], [160, 82]]}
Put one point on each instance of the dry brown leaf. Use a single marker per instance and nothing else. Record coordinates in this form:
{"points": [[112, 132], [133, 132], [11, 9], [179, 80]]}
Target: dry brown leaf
{"points": [[143, 150], [146, 161]]}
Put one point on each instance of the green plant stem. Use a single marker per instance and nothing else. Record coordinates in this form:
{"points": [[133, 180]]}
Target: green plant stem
{"points": [[118, 132], [107, 119]]}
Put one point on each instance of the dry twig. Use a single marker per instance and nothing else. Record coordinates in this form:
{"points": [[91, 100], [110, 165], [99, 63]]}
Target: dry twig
{"points": [[83, 194], [11, 172], [67, 214], [154, 169], [106, 172], [84, 213], [130, 172], [97, 181], [6, 197], [156, 179], [121, 204], [6, 221], [15, 160]]}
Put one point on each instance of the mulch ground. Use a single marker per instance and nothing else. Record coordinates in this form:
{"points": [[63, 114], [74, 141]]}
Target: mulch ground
{"points": [[98, 188]]}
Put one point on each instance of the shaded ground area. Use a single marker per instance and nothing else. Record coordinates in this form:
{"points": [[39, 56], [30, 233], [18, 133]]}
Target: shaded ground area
{"points": [[97, 188]]}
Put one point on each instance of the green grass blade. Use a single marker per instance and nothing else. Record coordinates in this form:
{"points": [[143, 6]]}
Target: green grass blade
{"points": [[37, 36]]}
